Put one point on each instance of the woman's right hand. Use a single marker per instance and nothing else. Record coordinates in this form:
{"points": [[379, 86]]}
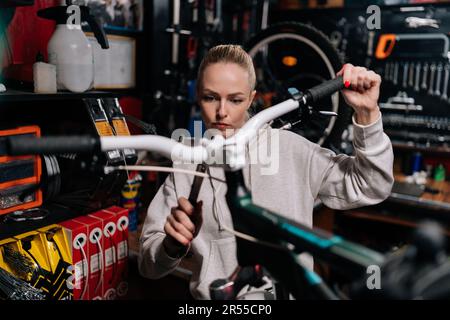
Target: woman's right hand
{"points": [[182, 226]]}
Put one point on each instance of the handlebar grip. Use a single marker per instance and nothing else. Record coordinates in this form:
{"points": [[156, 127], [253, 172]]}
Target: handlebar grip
{"points": [[325, 89], [18, 145]]}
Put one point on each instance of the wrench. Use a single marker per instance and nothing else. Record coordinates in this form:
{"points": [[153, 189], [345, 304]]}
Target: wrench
{"points": [[445, 87], [395, 78], [391, 71], [411, 75], [405, 74], [386, 71], [425, 76], [437, 91], [416, 86], [432, 73]]}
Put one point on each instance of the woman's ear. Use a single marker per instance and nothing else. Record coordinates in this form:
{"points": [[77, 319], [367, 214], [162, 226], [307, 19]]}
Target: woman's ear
{"points": [[252, 96]]}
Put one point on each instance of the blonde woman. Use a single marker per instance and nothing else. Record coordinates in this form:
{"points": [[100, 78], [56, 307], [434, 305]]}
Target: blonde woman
{"points": [[306, 171]]}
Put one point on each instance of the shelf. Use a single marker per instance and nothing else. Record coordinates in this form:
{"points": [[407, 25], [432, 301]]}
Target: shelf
{"points": [[56, 215], [376, 217], [427, 201], [12, 95], [407, 147]]}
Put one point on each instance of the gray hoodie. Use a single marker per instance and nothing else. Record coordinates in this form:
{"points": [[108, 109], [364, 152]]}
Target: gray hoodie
{"points": [[305, 172]]}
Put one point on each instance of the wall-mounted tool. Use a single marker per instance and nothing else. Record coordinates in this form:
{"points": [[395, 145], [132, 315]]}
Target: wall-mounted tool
{"points": [[416, 22], [403, 45], [395, 79], [445, 87], [424, 76], [432, 76], [437, 91], [411, 75], [405, 74], [401, 102], [417, 78]]}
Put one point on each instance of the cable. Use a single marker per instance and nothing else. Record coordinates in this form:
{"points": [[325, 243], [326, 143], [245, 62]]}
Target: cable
{"points": [[215, 214], [253, 239], [160, 169], [83, 253], [113, 247]]}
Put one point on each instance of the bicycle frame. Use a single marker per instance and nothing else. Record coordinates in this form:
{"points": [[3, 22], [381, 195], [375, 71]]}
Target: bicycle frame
{"points": [[350, 258]]}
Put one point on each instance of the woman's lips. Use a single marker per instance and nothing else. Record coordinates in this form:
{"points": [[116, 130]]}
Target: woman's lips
{"points": [[221, 125]]}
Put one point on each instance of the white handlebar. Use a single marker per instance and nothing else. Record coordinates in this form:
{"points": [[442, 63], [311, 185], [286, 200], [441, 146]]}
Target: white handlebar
{"points": [[233, 146]]}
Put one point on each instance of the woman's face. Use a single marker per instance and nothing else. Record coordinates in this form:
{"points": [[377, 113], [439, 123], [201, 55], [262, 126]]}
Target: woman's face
{"points": [[225, 96]]}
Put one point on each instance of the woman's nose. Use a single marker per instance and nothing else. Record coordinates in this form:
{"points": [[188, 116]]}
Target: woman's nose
{"points": [[222, 111]]}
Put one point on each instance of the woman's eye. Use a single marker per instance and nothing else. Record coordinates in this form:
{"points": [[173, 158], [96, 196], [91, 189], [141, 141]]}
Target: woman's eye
{"points": [[208, 98], [236, 101]]}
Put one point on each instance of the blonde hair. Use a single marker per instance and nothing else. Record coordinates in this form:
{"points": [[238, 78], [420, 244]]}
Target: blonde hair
{"points": [[228, 53]]}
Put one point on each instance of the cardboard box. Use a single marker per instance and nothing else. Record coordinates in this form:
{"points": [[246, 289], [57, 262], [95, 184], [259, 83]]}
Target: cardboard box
{"points": [[109, 245], [120, 282], [95, 256], [77, 236], [60, 259]]}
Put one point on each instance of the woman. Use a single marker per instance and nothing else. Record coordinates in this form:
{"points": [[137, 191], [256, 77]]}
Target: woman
{"points": [[226, 88]]}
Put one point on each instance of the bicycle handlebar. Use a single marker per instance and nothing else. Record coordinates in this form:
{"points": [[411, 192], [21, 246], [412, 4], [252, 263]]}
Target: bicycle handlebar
{"points": [[24, 145], [325, 89], [168, 147]]}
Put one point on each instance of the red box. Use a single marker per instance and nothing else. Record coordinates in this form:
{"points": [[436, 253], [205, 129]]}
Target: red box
{"points": [[120, 282], [95, 255], [78, 239], [109, 245]]}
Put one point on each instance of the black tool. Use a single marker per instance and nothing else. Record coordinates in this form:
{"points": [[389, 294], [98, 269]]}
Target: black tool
{"points": [[196, 184]]}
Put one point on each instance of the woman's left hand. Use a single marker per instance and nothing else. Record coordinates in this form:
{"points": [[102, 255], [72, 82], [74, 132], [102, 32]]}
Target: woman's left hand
{"points": [[362, 93]]}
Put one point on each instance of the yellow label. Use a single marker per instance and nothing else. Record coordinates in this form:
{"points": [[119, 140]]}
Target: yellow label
{"points": [[103, 128], [121, 127]]}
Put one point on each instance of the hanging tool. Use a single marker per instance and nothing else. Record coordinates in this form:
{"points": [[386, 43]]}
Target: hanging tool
{"points": [[425, 76], [411, 75], [416, 22], [417, 82], [196, 184], [445, 87], [437, 91], [405, 74], [176, 31], [386, 71], [432, 75], [395, 79]]}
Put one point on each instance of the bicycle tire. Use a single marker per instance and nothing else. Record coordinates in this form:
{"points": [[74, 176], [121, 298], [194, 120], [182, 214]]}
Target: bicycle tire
{"points": [[331, 136]]}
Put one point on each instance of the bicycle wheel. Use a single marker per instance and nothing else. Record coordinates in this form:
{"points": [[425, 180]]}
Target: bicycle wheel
{"points": [[293, 54]]}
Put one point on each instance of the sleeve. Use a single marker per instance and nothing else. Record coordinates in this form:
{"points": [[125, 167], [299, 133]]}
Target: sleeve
{"points": [[153, 261], [366, 178]]}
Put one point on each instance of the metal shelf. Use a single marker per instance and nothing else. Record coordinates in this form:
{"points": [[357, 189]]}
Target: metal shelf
{"points": [[12, 95]]}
